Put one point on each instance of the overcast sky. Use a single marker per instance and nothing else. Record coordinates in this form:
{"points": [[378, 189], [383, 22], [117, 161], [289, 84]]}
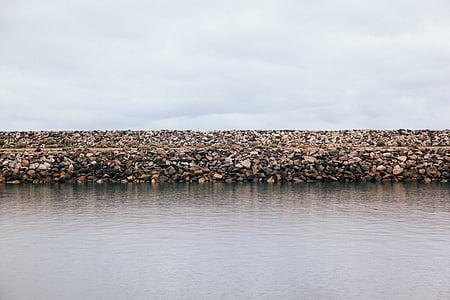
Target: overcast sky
{"points": [[150, 64]]}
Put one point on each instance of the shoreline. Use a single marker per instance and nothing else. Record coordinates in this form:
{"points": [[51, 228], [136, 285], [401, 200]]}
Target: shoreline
{"points": [[224, 156]]}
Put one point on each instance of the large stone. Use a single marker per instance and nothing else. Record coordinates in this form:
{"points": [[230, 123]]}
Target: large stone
{"points": [[246, 163], [44, 166], [397, 170], [217, 176], [171, 170], [310, 159], [381, 168]]}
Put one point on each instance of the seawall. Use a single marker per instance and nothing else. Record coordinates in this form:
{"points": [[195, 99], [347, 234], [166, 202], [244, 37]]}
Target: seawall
{"points": [[224, 156]]}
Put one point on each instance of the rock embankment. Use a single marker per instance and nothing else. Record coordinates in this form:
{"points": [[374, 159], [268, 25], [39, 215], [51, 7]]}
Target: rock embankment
{"points": [[224, 156]]}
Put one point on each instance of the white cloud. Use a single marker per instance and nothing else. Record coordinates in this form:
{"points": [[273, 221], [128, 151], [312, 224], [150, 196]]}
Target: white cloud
{"points": [[224, 64]]}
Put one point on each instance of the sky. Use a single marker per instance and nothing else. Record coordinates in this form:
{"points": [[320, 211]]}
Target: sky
{"points": [[206, 65]]}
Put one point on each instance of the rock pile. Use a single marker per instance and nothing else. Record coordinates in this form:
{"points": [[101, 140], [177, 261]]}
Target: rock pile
{"points": [[225, 156], [224, 139]]}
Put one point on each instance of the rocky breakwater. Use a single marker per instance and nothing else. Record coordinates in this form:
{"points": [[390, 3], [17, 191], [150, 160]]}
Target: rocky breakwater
{"points": [[226, 156]]}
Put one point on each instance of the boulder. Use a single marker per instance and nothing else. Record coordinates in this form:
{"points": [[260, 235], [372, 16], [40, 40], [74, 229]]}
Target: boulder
{"points": [[397, 170]]}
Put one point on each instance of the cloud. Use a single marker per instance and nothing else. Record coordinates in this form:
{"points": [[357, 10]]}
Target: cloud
{"points": [[224, 64]]}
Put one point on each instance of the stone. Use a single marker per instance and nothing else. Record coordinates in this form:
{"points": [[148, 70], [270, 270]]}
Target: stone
{"points": [[247, 155], [171, 170], [14, 181], [381, 168], [310, 159], [217, 176], [397, 170], [431, 171], [44, 166], [246, 163], [356, 160], [144, 176]]}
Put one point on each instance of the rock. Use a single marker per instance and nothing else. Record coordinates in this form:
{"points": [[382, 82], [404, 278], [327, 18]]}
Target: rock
{"points": [[14, 181], [171, 170], [356, 160], [381, 168], [144, 177], [44, 166], [402, 158], [217, 176], [246, 163], [230, 156], [397, 170], [432, 171], [310, 159]]}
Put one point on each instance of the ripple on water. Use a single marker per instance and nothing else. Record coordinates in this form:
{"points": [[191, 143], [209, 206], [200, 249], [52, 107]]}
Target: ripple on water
{"points": [[369, 241]]}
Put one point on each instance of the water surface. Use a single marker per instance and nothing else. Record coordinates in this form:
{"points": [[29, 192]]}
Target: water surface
{"points": [[218, 241]]}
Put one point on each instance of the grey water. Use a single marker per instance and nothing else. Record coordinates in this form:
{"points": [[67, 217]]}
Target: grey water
{"points": [[219, 241]]}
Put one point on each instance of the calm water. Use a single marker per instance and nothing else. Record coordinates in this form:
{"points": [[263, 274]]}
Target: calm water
{"points": [[310, 241]]}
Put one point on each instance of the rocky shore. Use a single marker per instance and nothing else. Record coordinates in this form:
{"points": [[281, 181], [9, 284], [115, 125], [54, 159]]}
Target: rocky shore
{"points": [[224, 156]]}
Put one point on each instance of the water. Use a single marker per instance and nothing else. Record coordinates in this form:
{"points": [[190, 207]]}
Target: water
{"points": [[309, 241]]}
